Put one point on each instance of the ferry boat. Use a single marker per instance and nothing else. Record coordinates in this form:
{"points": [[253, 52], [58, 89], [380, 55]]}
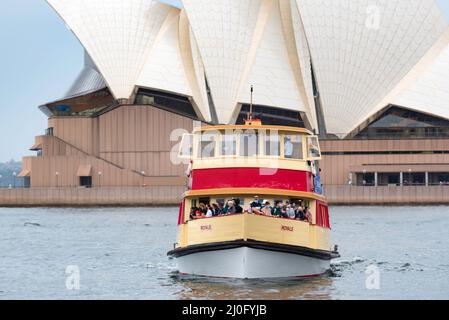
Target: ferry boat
{"points": [[254, 167]]}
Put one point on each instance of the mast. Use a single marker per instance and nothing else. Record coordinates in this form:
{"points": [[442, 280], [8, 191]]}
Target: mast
{"points": [[250, 114]]}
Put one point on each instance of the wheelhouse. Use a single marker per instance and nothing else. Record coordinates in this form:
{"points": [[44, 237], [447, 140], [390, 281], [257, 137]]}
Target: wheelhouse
{"points": [[249, 143]]}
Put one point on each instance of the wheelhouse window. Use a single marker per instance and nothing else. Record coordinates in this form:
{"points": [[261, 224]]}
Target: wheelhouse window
{"points": [[313, 148], [293, 147], [228, 145], [249, 144], [207, 146], [272, 145], [186, 150]]}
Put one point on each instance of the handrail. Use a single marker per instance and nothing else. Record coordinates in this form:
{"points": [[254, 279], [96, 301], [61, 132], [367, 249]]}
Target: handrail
{"points": [[254, 191], [87, 154]]}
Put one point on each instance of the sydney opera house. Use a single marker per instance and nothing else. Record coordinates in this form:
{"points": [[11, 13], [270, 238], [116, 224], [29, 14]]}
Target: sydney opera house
{"points": [[371, 78]]}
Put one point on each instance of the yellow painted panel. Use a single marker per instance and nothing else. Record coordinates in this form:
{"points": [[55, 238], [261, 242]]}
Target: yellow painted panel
{"points": [[215, 230], [323, 238], [276, 230], [182, 234], [259, 228]]}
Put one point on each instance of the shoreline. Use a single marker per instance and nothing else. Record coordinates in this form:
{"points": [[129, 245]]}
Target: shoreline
{"points": [[170, 196]]}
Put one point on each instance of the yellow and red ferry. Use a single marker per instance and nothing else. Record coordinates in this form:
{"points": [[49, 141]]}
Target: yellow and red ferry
{"points": [[277, 164]]}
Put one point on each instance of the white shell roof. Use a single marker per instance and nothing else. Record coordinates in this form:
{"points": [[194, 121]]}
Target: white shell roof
{"points": [[430, 92], [272, 73], [305, 59], [362, 51], [118, 34], [224, 32], [164, 69]]}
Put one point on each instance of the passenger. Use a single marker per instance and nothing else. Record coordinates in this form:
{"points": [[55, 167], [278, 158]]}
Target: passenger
{"points": [[256, 203], [238, 208], [266, 209], [198, 214], [284, 211], [220, 208], [210, 211], [277, 210], [230, 208], [203, 208], [256, 210], [308, 215], [288, 148], [300, 214], [291, 214], [216, 210], [193, 213]]}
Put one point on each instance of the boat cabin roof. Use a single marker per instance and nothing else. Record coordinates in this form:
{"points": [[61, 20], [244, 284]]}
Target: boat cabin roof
{"points": [[253, 126]]}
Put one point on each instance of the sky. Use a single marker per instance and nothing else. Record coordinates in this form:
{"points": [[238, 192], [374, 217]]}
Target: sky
{"points": [[39, 60]]}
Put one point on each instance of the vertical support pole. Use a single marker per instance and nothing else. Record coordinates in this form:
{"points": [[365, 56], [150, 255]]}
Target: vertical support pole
{"points": [[401, 179], [376, 179], [427, 179], [251, 105]]}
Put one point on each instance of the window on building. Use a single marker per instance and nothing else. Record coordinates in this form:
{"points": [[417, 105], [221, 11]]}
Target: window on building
{"points": [[439, 179], [86, 182], [272, 116], [366, 179], [166, 101], [49, 131], [396, 123], [27, 182], [389, 179], [414, 179], [85, 105]]}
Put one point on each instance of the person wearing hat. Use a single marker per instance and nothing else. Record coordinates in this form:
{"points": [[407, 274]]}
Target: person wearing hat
{"points": [[230, 208]]}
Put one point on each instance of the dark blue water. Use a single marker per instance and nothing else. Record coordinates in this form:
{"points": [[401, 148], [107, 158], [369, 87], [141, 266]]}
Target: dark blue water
{"points": [[121, 254]]}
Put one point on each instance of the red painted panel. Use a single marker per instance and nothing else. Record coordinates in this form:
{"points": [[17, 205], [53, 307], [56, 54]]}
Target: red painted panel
{"points": [[181, 213], [322, 215], [219, 178]]}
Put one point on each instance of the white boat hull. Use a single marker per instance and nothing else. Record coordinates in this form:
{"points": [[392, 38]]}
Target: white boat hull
{"points": [[249, 263]]}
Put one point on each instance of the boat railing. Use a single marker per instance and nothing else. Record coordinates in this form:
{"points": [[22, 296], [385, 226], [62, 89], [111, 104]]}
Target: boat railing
{"points": [[246, 213]]}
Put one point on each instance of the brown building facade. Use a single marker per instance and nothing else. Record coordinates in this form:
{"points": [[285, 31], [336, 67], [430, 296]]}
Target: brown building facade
{"points": [[128, 146], [126, 155]]}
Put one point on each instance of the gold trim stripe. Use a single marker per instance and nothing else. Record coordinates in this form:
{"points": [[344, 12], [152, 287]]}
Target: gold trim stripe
{"points": [[255, 127]]}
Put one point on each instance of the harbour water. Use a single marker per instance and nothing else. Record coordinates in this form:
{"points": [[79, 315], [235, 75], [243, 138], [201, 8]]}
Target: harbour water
{"points": [[120, 253]]}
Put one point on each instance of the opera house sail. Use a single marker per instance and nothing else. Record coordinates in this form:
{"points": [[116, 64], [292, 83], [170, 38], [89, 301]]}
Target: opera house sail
{"points": [[368, 77]]}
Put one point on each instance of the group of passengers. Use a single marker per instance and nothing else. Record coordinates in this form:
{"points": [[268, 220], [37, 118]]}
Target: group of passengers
{"points": [[287, 210], [215, 210]]}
